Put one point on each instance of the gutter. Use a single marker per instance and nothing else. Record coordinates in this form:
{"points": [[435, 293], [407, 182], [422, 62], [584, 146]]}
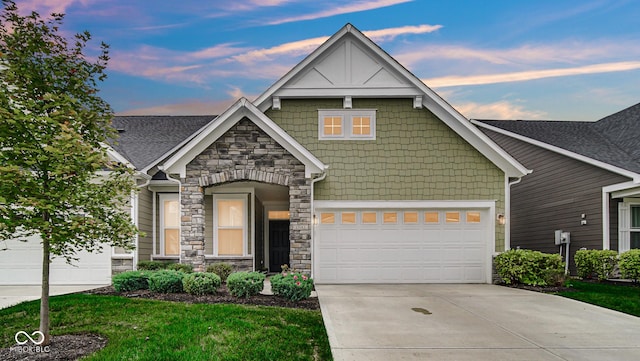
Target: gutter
{"points": [[313, 217]]}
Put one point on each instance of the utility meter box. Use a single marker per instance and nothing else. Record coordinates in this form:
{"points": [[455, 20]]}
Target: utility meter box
{"points": [[562, 237]]}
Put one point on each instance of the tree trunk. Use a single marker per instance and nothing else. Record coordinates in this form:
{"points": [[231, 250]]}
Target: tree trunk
{"points": [[44, 299]]}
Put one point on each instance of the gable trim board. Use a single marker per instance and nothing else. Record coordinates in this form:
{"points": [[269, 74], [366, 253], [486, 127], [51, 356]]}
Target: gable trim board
{"points": [[214, 130], [413, 88]]}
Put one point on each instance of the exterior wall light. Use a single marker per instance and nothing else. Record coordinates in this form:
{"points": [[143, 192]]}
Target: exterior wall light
{"points": [[501, 219]]}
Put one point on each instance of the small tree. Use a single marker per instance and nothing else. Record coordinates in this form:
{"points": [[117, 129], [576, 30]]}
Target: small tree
{"points": [[56, 179]]}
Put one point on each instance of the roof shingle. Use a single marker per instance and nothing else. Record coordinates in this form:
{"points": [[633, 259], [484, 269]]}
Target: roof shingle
{"points": [[614, 139]]}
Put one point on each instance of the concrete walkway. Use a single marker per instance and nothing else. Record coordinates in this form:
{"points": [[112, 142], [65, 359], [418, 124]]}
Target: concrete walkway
{"points": [[12, 295], [470, 322]]}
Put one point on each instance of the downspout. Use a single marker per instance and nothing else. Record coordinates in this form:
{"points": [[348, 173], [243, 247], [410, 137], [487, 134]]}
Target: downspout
{"points": [[313, 217], [507, 212], [177, 181], [134, 214]]}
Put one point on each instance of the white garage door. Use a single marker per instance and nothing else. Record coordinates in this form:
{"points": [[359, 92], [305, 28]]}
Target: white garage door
{"points": [[402, 245], [21, 264]]}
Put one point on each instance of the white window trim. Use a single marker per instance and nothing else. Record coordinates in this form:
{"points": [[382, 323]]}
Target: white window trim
{"points": [[162, 197], [624, 226], [347, 123], [245, 233]]}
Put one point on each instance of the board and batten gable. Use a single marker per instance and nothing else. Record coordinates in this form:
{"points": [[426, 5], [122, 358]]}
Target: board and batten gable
{"points": [[555, 195], [414, 156]]}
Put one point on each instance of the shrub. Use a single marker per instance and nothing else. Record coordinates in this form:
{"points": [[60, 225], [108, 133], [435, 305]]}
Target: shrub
{"points": [[182, 267], [131, 281], [245, 284], [521, 266], [152, 265], [292, 286], [630, 265], [223, 270], [201, 283], [166, 281], [595, 262]]}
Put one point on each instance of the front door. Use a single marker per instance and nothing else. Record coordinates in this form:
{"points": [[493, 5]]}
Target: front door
{"points": [[278, 244]]}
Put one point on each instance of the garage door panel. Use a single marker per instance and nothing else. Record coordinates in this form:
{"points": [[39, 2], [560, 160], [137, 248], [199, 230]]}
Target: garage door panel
{"points": [[398, 252], [21, 264]]}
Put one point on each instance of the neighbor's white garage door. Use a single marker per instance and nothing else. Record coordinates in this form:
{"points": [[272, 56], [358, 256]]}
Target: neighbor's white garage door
{"points": [[402, 245], [21, 264]]}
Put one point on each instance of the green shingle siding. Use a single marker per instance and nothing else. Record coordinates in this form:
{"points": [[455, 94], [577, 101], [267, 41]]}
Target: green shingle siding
{"points": [[415, 156]]}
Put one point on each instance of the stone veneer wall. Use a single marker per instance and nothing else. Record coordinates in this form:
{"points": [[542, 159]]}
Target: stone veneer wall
{"points": [[245, 153]]}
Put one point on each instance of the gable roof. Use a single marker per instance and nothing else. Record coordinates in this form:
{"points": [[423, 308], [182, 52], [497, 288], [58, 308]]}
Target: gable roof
{"points": [[146, 140], [351, 65], [243, 108], [612, 142]]}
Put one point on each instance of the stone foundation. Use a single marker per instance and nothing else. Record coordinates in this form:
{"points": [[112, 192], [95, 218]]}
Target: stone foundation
{"points": [[239, 263]]}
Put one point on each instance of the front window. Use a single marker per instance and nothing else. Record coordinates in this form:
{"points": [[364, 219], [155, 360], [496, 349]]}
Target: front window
{"points": [[169, 225], [230, 226], [347, 124]]}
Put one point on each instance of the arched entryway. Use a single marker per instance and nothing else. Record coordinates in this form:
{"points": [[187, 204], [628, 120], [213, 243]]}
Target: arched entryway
{"points": [[244, 156]]}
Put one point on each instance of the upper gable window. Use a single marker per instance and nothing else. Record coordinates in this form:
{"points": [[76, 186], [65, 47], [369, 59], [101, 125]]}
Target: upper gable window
{"points": [[347, 124]]}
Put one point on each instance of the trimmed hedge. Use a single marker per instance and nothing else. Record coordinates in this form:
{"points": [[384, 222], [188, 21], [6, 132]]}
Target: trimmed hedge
{"points": [[166, 281], [245, 284], [534, 268], [292, 286], [152, 265], [595, 263], [182, 267], [131, 281], [630, 265], [223, 270], [201, 283]]}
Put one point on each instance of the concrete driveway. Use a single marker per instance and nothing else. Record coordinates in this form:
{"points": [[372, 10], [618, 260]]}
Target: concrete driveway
{"points": [[12, 295], [470, 322]]}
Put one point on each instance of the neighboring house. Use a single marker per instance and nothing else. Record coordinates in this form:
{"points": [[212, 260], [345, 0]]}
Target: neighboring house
{"points": [[585, 180], [348, 168]]}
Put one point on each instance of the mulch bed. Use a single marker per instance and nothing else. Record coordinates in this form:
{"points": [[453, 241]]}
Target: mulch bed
{"points": [[65, 347], [73, 347], [221, 296]]}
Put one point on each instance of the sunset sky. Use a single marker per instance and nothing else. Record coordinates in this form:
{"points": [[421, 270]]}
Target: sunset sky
{"points": [[565, 60]]}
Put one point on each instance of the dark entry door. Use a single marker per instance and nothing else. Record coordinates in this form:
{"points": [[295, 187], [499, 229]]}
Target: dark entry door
{"points": [[278, 245]]}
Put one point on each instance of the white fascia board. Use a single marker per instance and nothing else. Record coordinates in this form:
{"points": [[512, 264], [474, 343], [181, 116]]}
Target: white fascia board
{"points": [[403, 204], [596, 163], [622, 190], [212, 132], [114, 155]]}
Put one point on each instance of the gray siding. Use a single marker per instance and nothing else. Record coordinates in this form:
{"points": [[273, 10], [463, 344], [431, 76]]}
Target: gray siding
{"points": [[554, 196], [145, 224]]}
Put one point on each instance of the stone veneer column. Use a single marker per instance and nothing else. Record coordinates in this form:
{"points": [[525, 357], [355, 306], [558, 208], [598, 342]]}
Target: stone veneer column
{"points": [[192, 222], [300, 225]]}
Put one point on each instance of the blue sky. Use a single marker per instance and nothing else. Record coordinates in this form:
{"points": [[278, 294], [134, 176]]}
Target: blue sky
{"points": [[565, 60]]}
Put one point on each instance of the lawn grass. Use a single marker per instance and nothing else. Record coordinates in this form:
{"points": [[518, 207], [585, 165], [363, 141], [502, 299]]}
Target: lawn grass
{"points": [[623, 298], [158, 330]]}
